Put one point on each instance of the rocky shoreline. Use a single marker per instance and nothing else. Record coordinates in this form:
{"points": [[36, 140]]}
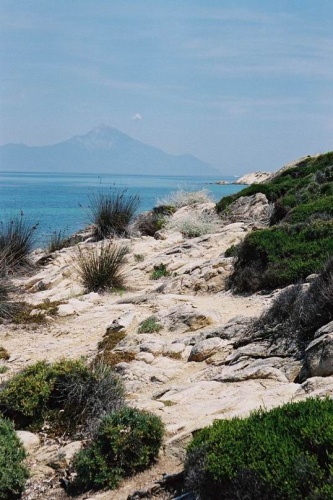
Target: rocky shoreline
{"points": [[200, 366]]}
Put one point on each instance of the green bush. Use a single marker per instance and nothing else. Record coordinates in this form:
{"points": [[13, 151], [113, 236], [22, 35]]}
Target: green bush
{"points": [[149, 325], [150, 222], [67, 395], [13, 473], [159, 271], [111, 213], [291, 187], [282, 255], [128, 441], [101, 269], [320, 208], [284, 453]]}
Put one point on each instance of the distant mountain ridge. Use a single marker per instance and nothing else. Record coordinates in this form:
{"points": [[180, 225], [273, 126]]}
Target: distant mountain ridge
{"points": [[103, 149]]}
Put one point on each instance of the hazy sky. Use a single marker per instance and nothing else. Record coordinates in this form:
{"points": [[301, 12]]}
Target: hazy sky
{"points": [[243, 84]]}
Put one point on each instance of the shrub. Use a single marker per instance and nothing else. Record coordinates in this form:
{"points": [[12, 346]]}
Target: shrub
{"points": [[13, 473], [195, 224], [283, 453], [102, 268], [128, 441], [159, 271], [16, 240], [4, 353], [149, 223], [149, 325], [297, 313], [282, 255], [111, 213], [57, 240], [67, 394], [183, 198], [138, 257]]}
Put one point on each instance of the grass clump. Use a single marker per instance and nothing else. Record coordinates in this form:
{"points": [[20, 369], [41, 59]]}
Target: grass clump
{"points": [[102, 268], [56, 241], [159, 271], [67, 395], [13, 472], [17, 238], [4, 354], [138, 257], [111, 213], [128, 441], [150, 325], [181, 198], [194, 224], [284, 453]]}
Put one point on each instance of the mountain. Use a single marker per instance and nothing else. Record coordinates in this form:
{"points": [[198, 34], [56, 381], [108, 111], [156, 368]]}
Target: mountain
{"points": [[102, 150]]}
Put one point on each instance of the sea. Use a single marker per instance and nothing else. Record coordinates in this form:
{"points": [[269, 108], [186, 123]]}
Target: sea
{"points": [[60, 202]]}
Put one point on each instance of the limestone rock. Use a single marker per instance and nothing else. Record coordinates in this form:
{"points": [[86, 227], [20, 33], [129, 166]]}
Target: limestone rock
{"points": [[319, 357], [206, 348], [62, 458], [29, 440], [253, 178], [253, 208]]}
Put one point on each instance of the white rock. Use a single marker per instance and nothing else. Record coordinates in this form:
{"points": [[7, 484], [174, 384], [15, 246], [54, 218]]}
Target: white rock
{"points": [[29, 440]]}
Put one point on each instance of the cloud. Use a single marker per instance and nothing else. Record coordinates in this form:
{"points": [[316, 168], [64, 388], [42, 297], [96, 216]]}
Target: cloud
{"points": [[136, 117]]}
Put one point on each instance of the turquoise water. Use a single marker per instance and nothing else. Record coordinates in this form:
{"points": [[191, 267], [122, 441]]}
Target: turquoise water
{"points": [[60, 201]]}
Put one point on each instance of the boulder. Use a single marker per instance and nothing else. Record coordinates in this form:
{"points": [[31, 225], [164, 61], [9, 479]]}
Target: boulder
{"points": [[318, 361], [253, 208], [29, 440], [206, 348]]}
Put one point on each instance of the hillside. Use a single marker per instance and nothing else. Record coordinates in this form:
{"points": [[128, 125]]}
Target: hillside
{"points": [[300, 237], [102, 150]]}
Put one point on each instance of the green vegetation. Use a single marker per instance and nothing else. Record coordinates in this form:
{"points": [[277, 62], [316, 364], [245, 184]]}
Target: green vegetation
{"points": [[127, 441], [284, 453], [149, 325], [13, 473], [138, 257], [67, 395], [111, 213], [101, 269], [281, 255], [300, 239], [159, 271], [293, 186]]}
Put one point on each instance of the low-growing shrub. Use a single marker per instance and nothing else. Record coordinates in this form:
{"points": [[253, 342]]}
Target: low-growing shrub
{"points": [[68, 395], [149, 325], [149, 223], [13, 472], [17, 238], [159, 271], [128, 441], [106, 353], [281, 255], [101, 268], [284, 453], [297, 313], [111, 213], [138, 257], [194, 224], [231, 251], [183, 198]]}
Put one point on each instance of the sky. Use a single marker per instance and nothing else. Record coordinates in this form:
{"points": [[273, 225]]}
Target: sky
{"points": [[243, 84]]}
